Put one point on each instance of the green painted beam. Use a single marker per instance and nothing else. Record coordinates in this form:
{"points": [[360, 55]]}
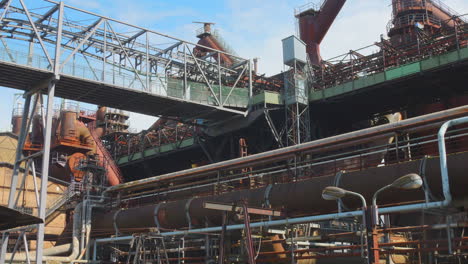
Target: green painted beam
{"points": [[151, 152], [390, 74]]}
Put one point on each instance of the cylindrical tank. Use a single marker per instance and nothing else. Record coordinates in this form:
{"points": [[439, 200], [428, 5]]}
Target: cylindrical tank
{"points": [[101, 113], [37, 132], [16, 124], [16, 119], [68, 125], [406, 13]]}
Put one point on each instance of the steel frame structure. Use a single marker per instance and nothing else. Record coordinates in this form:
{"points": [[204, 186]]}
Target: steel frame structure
{"points": [[330, 249], [346, 152], [63, 43], [297, 120], [366, 61], [116, 53], [28, 114], [131, 144]]}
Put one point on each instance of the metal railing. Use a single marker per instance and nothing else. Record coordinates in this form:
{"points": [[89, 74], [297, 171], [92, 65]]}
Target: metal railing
{"points": [[316, 6], [407, 145], [130, 144], [104, 51], [412, 19], [382, 55], [74, 189]]}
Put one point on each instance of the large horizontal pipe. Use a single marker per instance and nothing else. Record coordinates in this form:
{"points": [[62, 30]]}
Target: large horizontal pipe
{"points": [[288, 152], [295, 198]]}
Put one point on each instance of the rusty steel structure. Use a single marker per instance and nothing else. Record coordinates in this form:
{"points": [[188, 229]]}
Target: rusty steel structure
{"points": [[314, 23], [239, 166]]}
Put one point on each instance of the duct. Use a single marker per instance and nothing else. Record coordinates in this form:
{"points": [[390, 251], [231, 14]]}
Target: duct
{"points": [[286, 152], [388, 210], [314, 25], [100, 119], [50, 254], [290, 195], [209, 41], [84, 135], [172, 215]]}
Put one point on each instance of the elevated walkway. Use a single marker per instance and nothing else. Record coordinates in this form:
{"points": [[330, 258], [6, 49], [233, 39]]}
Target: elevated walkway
{"points": [[102, 63]]}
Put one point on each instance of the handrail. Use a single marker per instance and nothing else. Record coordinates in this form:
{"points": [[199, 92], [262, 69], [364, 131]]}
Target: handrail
{"points": [[393, 209], [287, 152]]}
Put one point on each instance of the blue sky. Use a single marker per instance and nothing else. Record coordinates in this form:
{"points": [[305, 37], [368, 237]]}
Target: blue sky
{"points": [[254, 28]]}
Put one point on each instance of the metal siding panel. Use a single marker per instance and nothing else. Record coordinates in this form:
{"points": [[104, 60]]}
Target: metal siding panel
{"points": [[316, 95], [430, 63], [449, 57], [403, 71], [464, 53]]}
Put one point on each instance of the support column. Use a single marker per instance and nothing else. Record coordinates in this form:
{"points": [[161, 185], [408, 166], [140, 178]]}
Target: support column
{"points": [[47, 136], [45, 170], [14, 176]]}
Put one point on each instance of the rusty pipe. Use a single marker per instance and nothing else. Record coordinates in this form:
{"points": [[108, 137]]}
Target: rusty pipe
{"points": [[290, 196], [314, 25], [286, 152]]}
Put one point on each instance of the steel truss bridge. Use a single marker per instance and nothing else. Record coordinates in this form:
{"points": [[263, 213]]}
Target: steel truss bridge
{"points": [[104, 61]]}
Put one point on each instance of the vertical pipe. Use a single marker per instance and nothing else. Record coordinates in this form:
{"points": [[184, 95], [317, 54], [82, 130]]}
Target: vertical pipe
{"points": [[248, 234], [443, 155], [250, 81], [185, 71], [221, 239], [14, 176], [298, 122], [147, 63], [104, 52], [219, 80], [95, 251]]}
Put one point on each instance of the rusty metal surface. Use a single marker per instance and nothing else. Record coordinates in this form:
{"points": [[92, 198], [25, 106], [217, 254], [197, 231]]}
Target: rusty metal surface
{"points": [[314, 25], [340, 141], [296, 198]]}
